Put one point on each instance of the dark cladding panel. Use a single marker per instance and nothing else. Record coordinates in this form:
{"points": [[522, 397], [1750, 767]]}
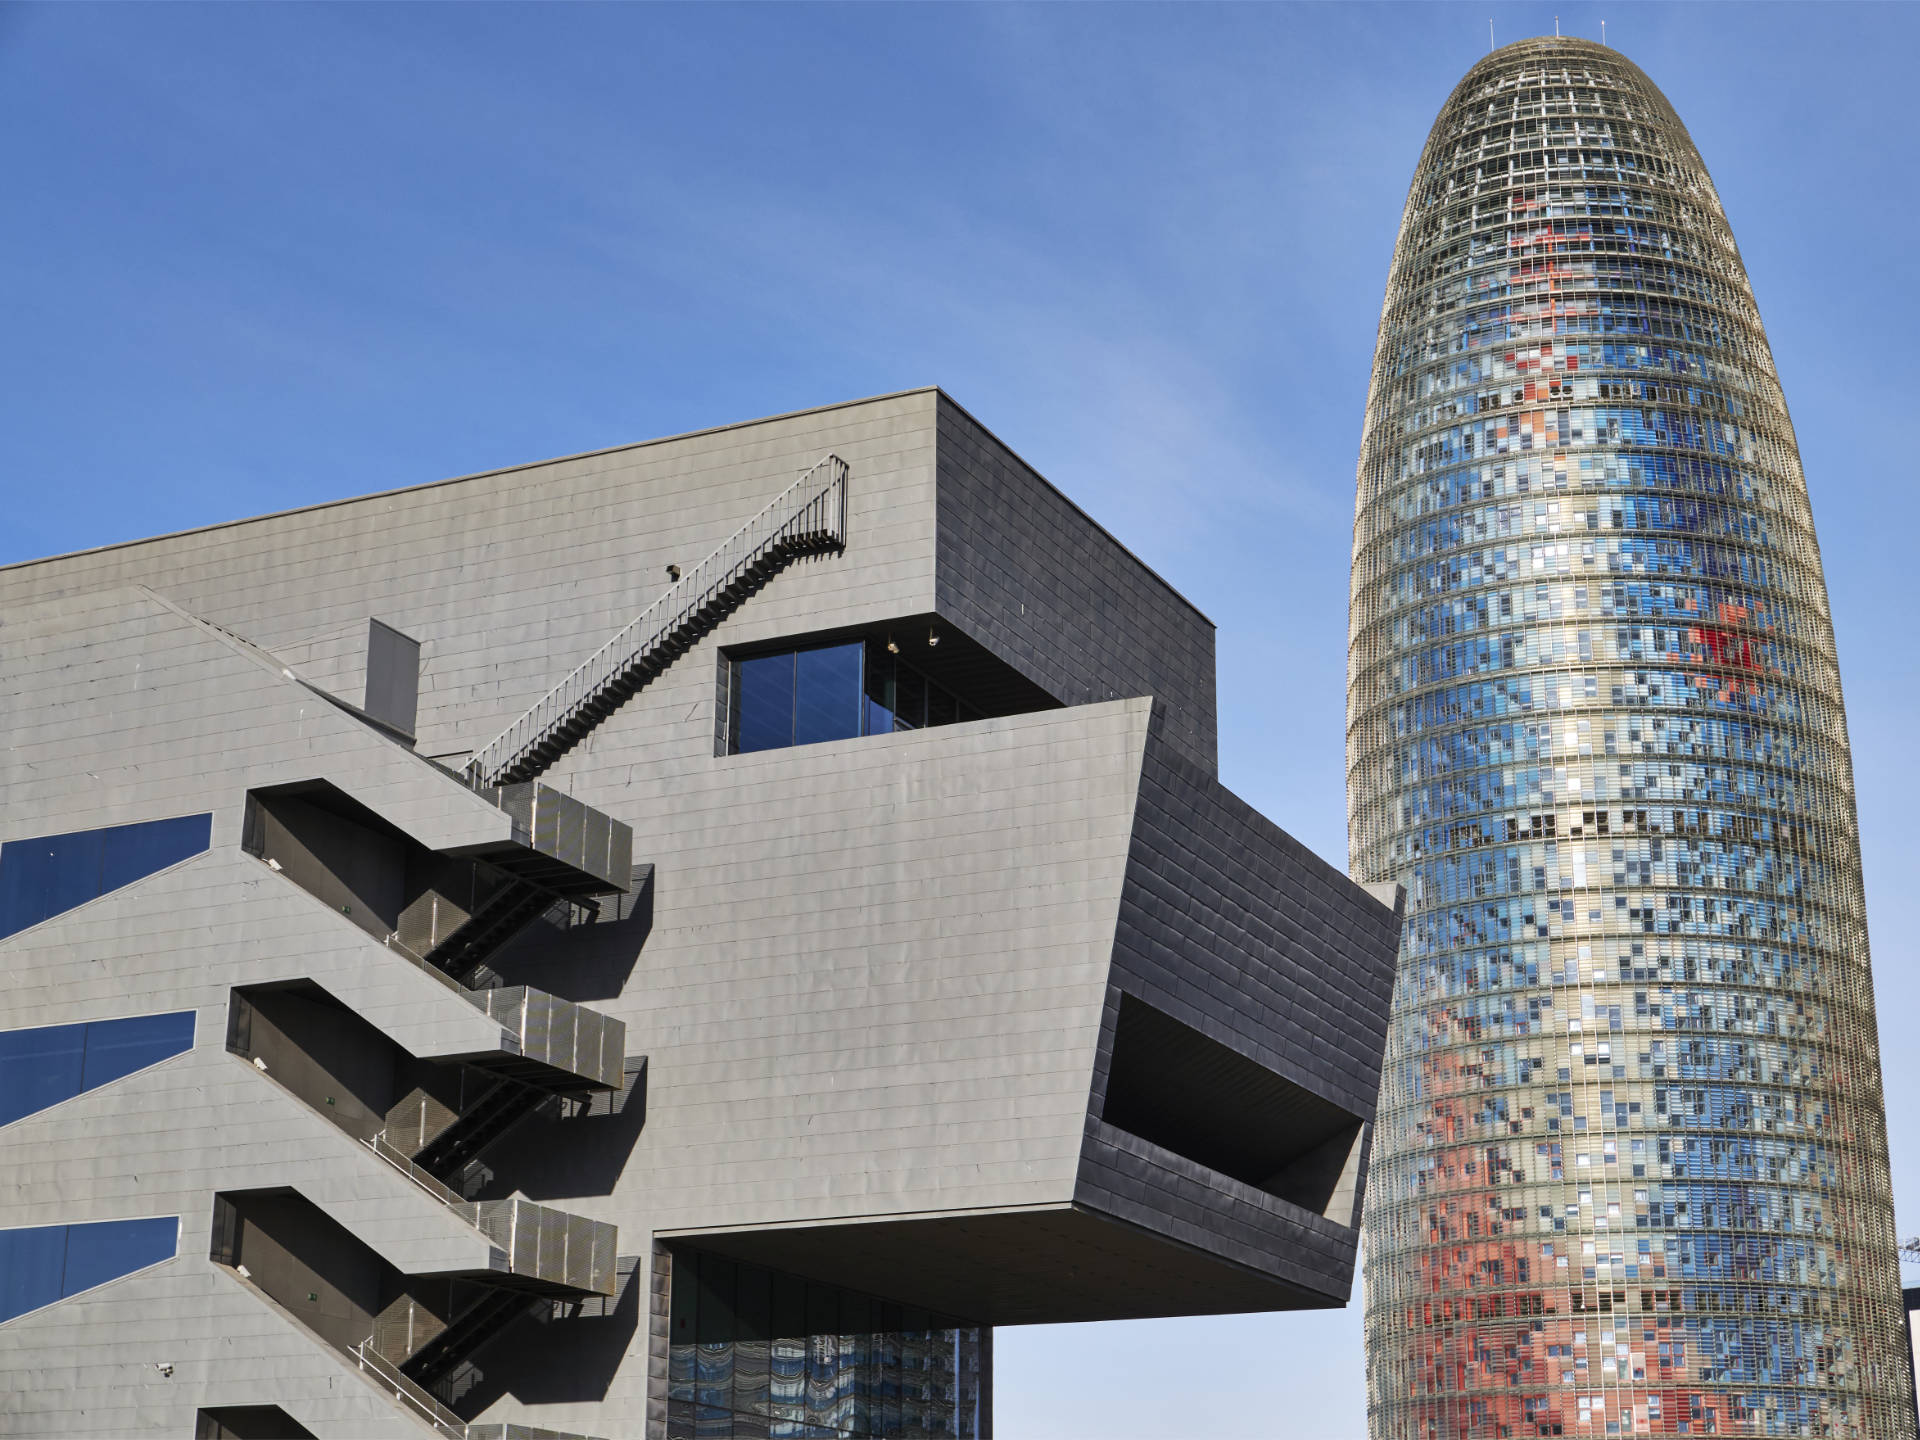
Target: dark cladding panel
{"points": [[1026, 573], [1230, 925]]}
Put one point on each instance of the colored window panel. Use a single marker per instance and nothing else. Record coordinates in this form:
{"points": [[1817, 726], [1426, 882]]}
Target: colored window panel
{"points": [[50, 1262], [132, 852], [49, 875], [39, 1068], [827, 694], [106, 1251], [44, 1066], [26, 870], [70, 867], [31, 1262], [120, 1047]]}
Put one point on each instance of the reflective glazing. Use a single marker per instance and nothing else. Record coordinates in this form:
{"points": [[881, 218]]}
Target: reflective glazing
{"points": [[1630, 1174], [756, 1354]]}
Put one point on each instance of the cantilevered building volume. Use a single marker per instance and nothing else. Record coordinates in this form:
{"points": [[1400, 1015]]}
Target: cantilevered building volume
{"points": [[1631, 1173], [681, 940]]}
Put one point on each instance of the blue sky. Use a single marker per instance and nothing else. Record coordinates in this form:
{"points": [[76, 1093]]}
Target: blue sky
{"points": [[257, 257]]}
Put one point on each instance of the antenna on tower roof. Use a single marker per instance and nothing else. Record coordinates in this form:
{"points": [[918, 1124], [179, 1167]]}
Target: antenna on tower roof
{"points": [[1489, 34], [1556, 27], [1603, 32]]}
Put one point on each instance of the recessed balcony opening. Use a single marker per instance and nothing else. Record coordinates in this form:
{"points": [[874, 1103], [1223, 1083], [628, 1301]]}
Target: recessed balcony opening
{"points": [[343, 1067], [249, 1422], [364, 868], [418, 1334], [1188, 1093], [322, 1274], [914, 674]]}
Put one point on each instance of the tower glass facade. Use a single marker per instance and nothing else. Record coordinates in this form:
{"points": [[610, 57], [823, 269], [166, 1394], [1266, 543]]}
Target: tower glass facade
{"points": [[1630, 1173]]}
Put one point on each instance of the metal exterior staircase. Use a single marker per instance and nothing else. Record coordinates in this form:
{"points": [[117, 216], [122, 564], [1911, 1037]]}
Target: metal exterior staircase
{"points": [[808, 517], [490, 1117], [503, 915], [489, 1313]]}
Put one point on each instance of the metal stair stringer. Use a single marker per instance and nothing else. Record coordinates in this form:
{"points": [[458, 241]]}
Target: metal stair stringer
{"points": [[808, 517]]}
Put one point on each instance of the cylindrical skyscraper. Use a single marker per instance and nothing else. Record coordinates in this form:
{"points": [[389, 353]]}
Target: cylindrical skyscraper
{"points": [[1631, 1172]]}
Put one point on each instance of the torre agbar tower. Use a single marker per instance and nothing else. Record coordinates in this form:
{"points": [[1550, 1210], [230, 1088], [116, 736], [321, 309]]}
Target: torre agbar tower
{"points": [[1631, 1169]]}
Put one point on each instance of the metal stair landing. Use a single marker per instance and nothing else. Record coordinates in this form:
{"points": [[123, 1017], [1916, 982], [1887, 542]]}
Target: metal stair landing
{"points": [[809, 517]]}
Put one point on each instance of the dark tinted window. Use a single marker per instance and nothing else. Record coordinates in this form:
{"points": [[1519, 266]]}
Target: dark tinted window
{"points": [[797, 697], [50, 1262], [832, 692], [763, 702], [45, 1066], [909, 698], [879, 693], [827, 694], [51, 874]]}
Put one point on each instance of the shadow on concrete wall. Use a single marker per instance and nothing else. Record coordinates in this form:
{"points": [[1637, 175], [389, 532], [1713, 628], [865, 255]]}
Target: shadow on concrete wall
{"points": [[584, 962], [571, 1359]]}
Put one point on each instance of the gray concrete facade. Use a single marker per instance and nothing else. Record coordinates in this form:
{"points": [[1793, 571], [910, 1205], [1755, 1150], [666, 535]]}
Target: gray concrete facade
{"points": [[1017, 1019]]}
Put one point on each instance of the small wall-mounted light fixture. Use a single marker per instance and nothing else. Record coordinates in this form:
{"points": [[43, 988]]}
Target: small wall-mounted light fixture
{"points": [[893, 646], [673, 572], [933, 637]]}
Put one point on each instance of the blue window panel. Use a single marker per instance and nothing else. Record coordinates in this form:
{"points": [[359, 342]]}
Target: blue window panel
{"points": [[765, 697], [73, 870], [39, 1068], [106, 1251], [26, 870], [31, 1263], [827, 697], [133, 852], [120, 1047], [51, 874], [45, 1066]]}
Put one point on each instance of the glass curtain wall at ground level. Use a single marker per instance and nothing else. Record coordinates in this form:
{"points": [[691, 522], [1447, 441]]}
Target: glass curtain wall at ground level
{"points": [[755, 1354], [1630, 1174]]}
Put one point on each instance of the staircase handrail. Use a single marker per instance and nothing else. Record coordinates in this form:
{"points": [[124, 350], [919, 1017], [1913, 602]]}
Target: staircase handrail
{"points": [[810, 504], [409, 1392], [390, 1153]]}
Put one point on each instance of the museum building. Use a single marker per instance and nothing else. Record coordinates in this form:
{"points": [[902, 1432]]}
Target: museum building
{"points": [[680, 940]]}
